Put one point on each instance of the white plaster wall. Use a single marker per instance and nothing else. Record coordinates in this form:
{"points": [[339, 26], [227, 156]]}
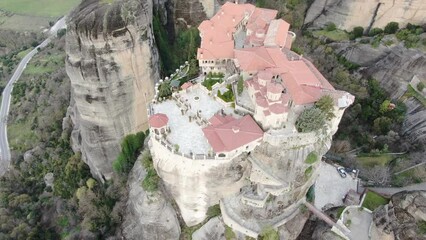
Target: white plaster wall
{"points": [[197, 184]]}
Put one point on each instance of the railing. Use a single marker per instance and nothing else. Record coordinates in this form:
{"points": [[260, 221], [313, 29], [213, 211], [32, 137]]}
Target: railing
{"points": [[213, 156]]}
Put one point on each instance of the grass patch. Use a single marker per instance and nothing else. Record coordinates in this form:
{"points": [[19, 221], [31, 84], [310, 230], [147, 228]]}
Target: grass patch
{"points": [[229, 233], [340, 211], [335, 35], [228, 96], [21, 136], [412, 176], [209, 82], [308, 172], [422, 227], [373, 200], [40, 8], [46, 65], [411, 92], [371, 161], [22, 54], [311, 158]]}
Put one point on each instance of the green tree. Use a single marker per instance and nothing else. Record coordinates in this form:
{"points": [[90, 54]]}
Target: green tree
{"points": [[391, 28], [311, 119], [326, 105], [382, 125], [165, 90]]}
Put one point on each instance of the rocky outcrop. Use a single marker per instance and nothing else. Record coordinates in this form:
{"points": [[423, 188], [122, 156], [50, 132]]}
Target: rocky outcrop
{"points": [[346, 13], [213, 229], [149, 215], [394, 67], [404, 216], [113, 63]]}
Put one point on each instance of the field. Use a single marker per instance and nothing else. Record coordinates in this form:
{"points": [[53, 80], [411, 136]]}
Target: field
{"points": [[39, 8], [335, 35], [31, 15], [371, 161]]}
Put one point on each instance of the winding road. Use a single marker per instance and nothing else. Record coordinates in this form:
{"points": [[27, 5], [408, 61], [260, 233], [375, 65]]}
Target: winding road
{"points": [[6, 96]]}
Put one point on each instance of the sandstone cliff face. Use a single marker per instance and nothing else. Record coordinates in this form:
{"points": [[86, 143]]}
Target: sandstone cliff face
{"points": [[394, 67], [113, 63], [149, 216], [347, 14]]}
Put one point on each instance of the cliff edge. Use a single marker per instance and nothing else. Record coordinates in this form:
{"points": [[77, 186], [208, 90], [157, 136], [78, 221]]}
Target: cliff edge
{"points": [[112, 62]]}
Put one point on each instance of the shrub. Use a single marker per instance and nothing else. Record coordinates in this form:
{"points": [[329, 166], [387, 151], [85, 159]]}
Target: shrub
{"points": [[311, 158], [228, 96], [357, 32], [311, 119], [375, 31], [240, 85], [330, 27], [213, 211], [268, 233], [422, 227], [391, 28], [130, 148], [310, 195], [297, 50], [229, 233], [151, 180], [420, 86], [308, 172]]}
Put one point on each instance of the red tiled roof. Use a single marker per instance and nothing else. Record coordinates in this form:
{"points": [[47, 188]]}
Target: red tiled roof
{"points": [[278, 108], [275, 87], [158, 120], [186, 85], [232, 134]]}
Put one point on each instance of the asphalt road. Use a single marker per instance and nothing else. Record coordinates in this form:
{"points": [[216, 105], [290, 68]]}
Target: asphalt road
{"points": [[6, 96]]}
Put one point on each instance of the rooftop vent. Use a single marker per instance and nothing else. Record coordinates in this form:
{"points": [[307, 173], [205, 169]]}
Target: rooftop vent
{"points": [[235, 129]]}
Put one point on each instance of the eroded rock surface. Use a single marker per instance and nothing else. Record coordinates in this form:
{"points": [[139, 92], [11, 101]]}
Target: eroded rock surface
{"points": [[346, 13], [112, 62], [149, 215], [213, 229], [403, 216], [394, 67]]}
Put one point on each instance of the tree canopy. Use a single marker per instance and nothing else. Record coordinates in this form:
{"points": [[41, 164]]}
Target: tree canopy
{"points": [[311, 119], [326, 105]]}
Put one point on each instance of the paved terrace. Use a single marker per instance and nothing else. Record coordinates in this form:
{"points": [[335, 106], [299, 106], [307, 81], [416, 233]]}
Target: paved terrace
{"points": [[196, 104]]}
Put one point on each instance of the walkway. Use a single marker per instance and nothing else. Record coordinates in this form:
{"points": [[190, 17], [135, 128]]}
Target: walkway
{"points": [[391, 191]]}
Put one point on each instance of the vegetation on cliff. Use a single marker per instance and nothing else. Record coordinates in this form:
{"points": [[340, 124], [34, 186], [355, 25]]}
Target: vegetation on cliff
{"points": [[175, 51], [74, 204]]}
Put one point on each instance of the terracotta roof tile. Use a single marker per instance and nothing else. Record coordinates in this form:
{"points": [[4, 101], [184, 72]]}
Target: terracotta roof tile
{"points": [[232, 134], [158, 120]]}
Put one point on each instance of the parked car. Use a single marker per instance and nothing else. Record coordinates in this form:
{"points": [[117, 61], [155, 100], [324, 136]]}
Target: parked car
{"points": [[341, 171], [350, 170]]}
